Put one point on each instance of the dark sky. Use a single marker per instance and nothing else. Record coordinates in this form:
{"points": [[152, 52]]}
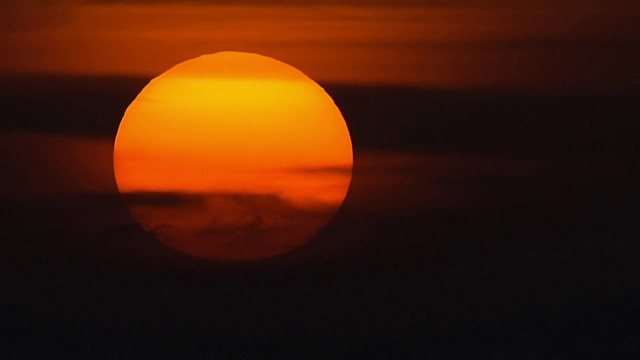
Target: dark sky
{"points": [[478, 225]]}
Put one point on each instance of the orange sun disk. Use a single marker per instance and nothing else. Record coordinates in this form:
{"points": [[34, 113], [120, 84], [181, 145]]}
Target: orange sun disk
{"points": [[233, 156]]}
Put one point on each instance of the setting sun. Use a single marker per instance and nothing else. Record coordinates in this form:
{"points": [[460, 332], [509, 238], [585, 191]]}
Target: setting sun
{"points": [[233, 156]]}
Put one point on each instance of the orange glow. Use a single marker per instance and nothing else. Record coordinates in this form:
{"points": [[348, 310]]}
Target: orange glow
{"points": [[457, 44], [236, 138]]}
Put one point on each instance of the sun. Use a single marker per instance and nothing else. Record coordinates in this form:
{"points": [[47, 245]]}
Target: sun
{"points": [[233, 156]]}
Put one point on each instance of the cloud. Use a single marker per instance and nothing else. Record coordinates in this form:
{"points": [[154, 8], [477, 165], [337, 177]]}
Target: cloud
{"points": [[394, 3], [29, 15], [460, 44], [438, 3], [54, 189], [163, 199], [330, 170], [44, 164], [386, 182], [35, 165], [226, 226]]}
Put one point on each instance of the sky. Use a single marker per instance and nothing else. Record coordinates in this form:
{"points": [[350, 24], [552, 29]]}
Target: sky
{"points": [[477, 225], [566, 45]]}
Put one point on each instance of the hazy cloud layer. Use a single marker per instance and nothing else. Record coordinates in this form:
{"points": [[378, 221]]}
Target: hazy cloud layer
{"points": [[395, 181], [33, 165], [44, 164], [226, 226], [60, 184], [460, 44]]}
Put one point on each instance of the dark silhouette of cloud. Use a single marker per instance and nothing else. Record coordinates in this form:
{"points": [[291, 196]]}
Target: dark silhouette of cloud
{"points": [[163, 199], [227, 226], [330, 170]]}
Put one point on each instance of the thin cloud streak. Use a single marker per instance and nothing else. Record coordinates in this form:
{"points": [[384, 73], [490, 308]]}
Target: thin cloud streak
{"points": [[495, 45]]}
